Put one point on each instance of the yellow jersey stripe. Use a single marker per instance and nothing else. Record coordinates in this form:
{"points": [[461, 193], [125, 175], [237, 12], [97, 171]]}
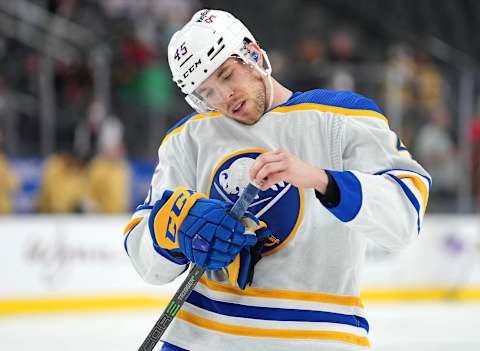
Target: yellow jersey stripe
{"points": [[417, 182], [334, 109], [273, 333], [284, 294], [132, 224], [194, 118]]}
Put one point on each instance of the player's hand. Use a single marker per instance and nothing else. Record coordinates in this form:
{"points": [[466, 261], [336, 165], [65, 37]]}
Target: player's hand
{"points": [[280, 165], [186, 222]]}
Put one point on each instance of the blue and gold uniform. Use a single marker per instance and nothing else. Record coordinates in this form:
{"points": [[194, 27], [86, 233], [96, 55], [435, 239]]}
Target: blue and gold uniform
{"points": [[305, 291]]}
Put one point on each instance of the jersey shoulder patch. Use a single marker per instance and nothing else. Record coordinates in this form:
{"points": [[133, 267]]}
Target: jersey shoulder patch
{"points": [[342, 99]]}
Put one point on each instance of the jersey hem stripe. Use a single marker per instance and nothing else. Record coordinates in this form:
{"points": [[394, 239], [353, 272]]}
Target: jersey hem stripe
{"points": [[284, 294], [274, 313], [272, 333]]}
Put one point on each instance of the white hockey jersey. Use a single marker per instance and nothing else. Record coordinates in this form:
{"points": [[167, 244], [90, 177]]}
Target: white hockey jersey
{"points": [[305, 291]]}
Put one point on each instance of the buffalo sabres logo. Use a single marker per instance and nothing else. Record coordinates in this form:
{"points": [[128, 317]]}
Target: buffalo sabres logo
{"points": [[280, 206]]}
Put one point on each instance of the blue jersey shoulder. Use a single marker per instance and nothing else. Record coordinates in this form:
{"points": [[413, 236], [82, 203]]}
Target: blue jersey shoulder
{"points": [[182, 122], [345, 99]]}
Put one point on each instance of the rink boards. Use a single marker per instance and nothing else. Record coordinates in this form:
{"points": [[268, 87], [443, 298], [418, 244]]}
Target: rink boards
{"points": [[77, 263]]}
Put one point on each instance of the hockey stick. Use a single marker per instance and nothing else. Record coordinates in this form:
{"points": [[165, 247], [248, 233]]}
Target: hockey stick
{"points": [[237, 211]]}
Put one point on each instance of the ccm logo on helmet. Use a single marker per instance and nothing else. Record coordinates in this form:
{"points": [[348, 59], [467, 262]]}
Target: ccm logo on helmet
{"points": [[192, 68]]}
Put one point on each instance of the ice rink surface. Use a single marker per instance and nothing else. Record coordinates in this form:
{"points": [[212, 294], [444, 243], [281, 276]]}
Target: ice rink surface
{"points": [[439, 326]]}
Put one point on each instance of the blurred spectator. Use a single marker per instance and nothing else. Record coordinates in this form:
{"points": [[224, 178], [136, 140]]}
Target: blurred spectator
{"points": [[333, 52], [342, 80], [73, 85], [280, 63], [88, 130], [435, 150], [343, 45], [474, 131], [27, 80], [144, 93], [62, 189], [399, 92], [428, 83], [23, 78], [108, 178], [311, 51], [307, 63], [146, 81], [8, 182]]}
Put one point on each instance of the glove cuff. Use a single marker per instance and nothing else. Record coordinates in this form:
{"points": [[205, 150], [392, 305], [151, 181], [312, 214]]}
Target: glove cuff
{"points": [[172, 256], [165, 219]]}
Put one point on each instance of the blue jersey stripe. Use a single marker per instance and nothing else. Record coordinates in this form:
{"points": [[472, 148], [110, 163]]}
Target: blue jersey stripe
{"points": [[182, 122], [170, 347], [344, 99], [407, 170], [125, 241], [400, 147], [143, 207], [351, 197], [413, 199], [274, 314]]}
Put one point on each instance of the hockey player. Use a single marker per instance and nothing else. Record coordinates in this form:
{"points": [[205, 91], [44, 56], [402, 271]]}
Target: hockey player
{"points": [[332, 175]]}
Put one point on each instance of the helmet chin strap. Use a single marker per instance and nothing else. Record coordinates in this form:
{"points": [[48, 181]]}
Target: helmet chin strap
{"points": [[270, 86], [267, 72]]}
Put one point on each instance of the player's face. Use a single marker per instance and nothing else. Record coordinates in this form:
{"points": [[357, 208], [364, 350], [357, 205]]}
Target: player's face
{"points": [[237, 90]]}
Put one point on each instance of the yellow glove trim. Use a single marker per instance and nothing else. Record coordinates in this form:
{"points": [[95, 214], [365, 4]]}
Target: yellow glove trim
{"points": [[232, 271], [251, 226], [171, 216]]}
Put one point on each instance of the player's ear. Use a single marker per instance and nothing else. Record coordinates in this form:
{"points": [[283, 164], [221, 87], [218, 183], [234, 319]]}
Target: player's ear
{"points": [[255, 53]]}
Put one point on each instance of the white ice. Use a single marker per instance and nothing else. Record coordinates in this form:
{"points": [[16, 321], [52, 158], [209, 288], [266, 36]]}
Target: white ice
{"points": [[394, 327]]}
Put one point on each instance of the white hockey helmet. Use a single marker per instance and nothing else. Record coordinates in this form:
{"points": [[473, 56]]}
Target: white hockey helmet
{"points": [[203, 45]]}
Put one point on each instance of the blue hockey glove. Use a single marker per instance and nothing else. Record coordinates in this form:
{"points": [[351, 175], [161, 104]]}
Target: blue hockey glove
{"points": [[188, 224], [240, 272]]}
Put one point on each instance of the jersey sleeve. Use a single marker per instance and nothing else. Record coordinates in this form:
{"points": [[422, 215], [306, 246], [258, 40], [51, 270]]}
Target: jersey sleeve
{"points": [[174, 169], [383, 191]]}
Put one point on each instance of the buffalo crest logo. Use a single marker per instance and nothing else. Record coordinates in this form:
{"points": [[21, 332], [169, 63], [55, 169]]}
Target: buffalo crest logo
{"points": [[280, 206]]}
